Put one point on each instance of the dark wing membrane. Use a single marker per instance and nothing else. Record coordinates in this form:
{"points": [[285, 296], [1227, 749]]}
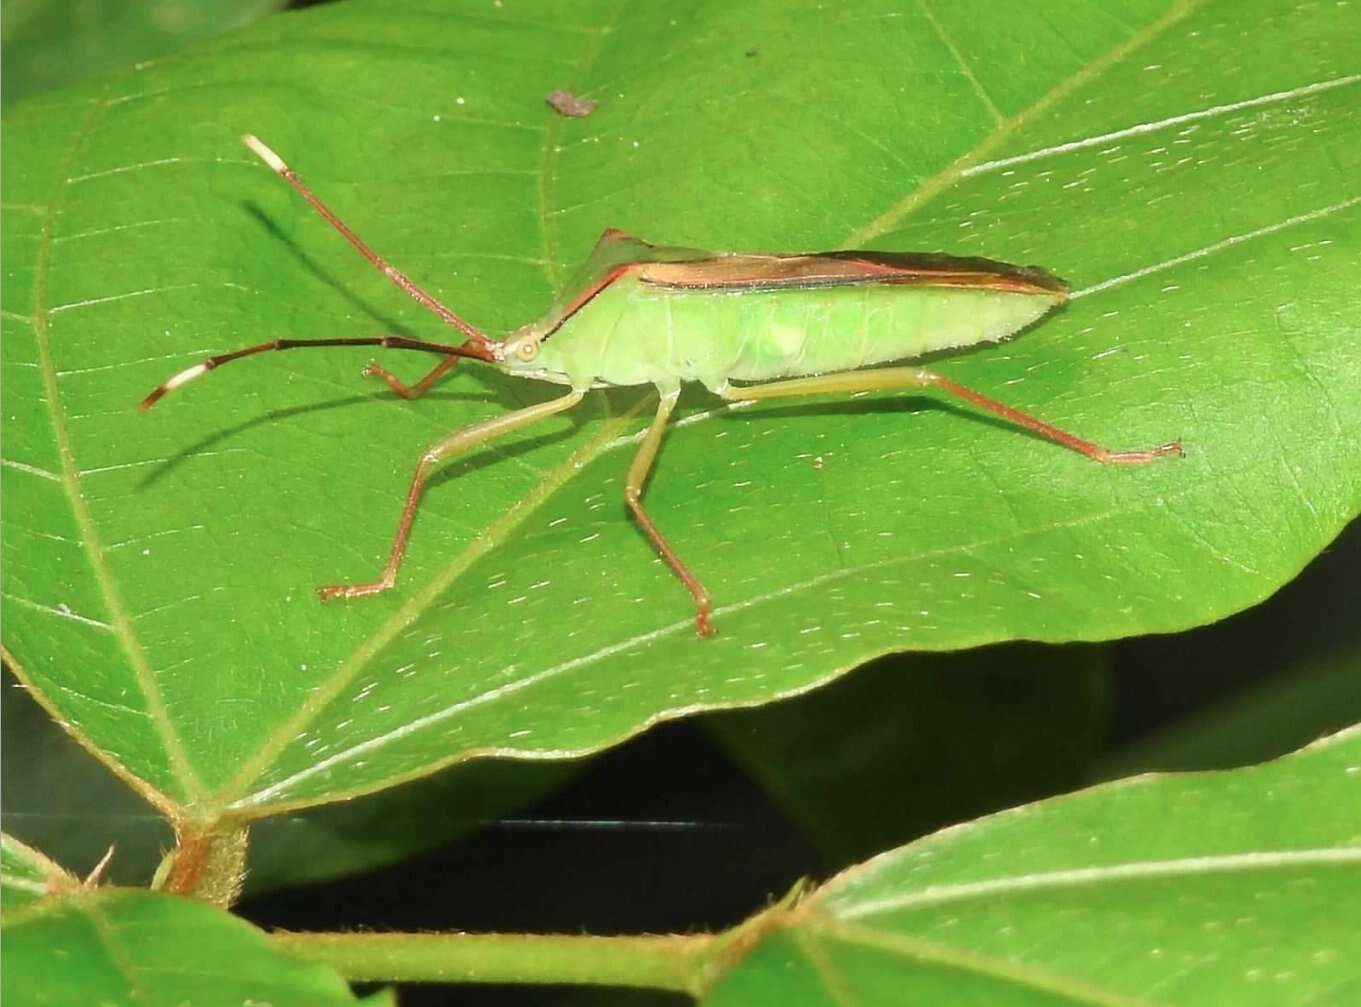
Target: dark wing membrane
{"points": [[845, 268]]}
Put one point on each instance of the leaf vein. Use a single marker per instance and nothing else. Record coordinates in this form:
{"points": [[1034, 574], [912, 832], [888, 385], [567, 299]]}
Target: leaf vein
{"points": [[951, 173], [1211, 112], [1217, 246], [965, 70], [1342, 856], [181, 768]]}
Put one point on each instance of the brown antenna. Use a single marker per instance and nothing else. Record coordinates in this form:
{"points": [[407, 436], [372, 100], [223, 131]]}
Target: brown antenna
{"points": [[390, 271], [476, 350]]}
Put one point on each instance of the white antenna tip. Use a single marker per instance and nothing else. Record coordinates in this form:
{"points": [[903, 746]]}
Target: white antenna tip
{"points": [[185, 376], [264, 153]]}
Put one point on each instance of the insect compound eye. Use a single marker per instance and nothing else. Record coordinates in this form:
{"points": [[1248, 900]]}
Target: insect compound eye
{"points": [[527, 350]]}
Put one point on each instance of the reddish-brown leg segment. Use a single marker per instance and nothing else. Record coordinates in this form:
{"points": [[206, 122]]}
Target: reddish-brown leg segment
{"points": [[914, 377], [460, 440], [633, 493], [420, 387]]}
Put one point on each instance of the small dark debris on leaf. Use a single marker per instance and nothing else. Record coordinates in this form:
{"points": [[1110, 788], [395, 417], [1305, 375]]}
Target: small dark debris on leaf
{"points": [[566, 103], [752, 52]]}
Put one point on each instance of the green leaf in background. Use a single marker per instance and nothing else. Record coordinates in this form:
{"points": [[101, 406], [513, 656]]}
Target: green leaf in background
{"points": [[123, 947], [55, 796], [915, 742], [1315, 697], [160, 570], [1296, 657], [49, 43], [1239, 887]]}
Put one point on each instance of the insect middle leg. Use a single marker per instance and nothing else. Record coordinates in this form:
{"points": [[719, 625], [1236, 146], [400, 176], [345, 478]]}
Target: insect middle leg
{"points": [[460, 440], [916, 377], [633, 493]]}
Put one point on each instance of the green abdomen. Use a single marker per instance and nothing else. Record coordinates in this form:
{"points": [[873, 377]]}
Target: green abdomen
{"points": [[632, 333]]}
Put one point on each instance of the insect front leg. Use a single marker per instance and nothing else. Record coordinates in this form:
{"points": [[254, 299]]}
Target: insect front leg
{"points": [[461, 440], [916, 377], [420, 387], [633, 493]]}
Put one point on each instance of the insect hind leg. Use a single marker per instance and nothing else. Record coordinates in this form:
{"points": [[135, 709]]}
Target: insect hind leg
{"points": [[915, 377]]}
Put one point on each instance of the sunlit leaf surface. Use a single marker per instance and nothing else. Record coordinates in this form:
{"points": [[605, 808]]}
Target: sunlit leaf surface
{"points": [[159, 570]]}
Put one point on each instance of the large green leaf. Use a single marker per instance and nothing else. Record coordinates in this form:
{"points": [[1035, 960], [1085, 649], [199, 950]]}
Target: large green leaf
{"points": [[121, 947], [159, 569], [1238, 887]]}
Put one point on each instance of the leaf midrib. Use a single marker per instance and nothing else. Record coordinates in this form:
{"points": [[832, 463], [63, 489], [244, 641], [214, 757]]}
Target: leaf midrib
{"points": [[1084, 877]]}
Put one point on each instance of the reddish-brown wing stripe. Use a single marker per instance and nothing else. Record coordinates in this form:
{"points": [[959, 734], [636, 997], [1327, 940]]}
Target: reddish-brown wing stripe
{"points": [[832, 269], [824, 269], [583, 298]]}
